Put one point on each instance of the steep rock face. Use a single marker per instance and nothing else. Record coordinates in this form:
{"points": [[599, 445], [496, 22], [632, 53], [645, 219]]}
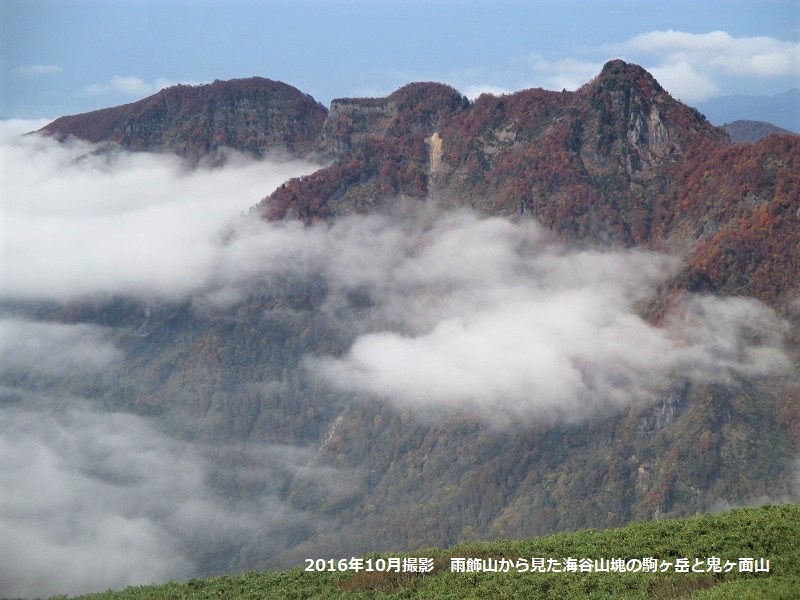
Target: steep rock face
{"points": [[256, 115], [584, 163], [631, 116], [351, 120], [381, 151], [414, 108]]}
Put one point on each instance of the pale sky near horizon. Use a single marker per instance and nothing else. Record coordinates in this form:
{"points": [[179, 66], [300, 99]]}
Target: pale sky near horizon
{"points": [[65, 57]]}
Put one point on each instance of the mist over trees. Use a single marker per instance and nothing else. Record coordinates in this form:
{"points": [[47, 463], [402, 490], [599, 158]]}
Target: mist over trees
{"points": [[580, 310]]}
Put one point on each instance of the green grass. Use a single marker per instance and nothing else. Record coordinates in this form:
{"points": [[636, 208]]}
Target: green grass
{"points": [[769, 532]]}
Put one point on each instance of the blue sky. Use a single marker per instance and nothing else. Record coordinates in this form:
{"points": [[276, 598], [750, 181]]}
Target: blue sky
{"points": [[64, 57]]}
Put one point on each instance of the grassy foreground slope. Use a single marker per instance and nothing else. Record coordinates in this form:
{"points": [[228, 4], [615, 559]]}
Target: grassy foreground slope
{"points": [[768, 532]]}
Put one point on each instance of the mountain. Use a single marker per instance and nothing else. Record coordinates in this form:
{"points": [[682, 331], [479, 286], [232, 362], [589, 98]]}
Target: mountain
{"points": [[782, 110], [616, 133], [661, 289], [257, 116], [751, 131], [617, 162]]}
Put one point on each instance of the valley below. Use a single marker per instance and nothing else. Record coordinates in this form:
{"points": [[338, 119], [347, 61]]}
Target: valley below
{"points": [[239, 329]]}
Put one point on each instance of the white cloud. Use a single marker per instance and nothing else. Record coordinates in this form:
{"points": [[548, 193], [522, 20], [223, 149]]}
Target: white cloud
{"points": [[75, 223], [761, 56], [565, 73], [129, 86], [11, 129], [462, 312], [492, 317], [568, 352], [38, 70], [685, 82], [721, 338], [692, 66]]}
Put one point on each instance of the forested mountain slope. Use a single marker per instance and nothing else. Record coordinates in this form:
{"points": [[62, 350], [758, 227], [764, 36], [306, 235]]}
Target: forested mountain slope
{"points": [[529, 313], [257, 116]]}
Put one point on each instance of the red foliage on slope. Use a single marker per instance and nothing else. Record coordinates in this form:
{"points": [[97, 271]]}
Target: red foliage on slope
{"points": [[254, 115]]}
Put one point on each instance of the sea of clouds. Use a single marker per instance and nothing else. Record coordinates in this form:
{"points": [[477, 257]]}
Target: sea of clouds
{"points": [[456, 312]]}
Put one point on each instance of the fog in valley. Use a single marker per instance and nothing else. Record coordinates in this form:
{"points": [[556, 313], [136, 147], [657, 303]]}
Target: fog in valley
{"points": [[438, 314]]}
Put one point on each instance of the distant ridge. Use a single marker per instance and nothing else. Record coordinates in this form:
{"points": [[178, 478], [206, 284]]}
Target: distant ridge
{"points": [[782, 110], [752, 131]]}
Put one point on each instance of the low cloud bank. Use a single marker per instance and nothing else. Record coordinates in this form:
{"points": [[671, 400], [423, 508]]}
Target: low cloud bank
{"points": [[54, 348], [84, 494], [76, 223], [447, 312], [95, 500], [491, 316]]}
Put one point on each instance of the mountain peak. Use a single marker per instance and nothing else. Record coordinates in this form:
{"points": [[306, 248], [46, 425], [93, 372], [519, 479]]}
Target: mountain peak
{"points": [[631, 115], [618, 66], [617, 138], [618, 75], [431, 91], [253, 115]]}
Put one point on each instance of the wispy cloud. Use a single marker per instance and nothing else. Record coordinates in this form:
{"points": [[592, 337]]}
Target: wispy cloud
{"points": [[54, 348], [685, 81], [11, 129], [129, 86], [564, 73], [464, 312], [38, 70], [691, 66]]}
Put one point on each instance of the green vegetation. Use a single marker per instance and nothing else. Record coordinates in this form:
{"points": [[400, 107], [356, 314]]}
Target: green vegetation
{"points": [[768, 532]]}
